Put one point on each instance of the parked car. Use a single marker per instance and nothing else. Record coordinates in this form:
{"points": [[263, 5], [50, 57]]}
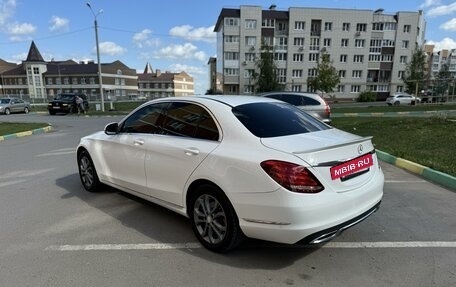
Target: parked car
{"points": [[14, 105], [66, 103], [402, 99], [312, 103], [238, 166]]}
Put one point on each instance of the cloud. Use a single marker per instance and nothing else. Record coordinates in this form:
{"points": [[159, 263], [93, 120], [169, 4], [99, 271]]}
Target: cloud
{"points": [[185, 51], [442, 10], [449, 26], [142, 39], [190, 33], [429, 3], [191, 70], [445, 44], [59, 24], [20, 31], [7, 8], [110, 48]]}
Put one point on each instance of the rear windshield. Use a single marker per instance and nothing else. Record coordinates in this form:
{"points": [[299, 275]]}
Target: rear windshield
{"points": [[267, 120]]}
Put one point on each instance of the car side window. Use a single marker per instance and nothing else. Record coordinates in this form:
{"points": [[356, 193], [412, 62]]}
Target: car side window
{"points": [[292, 99], [310, 102], [189, 120], [145, 120], [275, 96]]}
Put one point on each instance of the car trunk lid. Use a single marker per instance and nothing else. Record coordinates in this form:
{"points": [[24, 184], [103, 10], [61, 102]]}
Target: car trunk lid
{"points": [[339, 159]]}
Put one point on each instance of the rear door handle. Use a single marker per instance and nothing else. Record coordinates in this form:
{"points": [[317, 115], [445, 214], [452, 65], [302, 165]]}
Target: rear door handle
{"points": [[191, 151], [138, 142]]}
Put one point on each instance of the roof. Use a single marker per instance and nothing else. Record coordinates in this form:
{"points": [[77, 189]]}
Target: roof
{"points": [[33, 54]]}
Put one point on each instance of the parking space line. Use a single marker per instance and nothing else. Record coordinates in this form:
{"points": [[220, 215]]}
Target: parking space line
{"points": [[194, 245], [405, 181]]}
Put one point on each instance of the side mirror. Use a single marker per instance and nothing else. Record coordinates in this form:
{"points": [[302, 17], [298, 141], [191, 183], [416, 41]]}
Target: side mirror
{"points": [[112, 129]]}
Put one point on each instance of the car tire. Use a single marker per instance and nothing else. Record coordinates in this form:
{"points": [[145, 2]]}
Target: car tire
{"points": [[7, 111], [26, 110], [87, 172], [396, 103], [214, 220]]}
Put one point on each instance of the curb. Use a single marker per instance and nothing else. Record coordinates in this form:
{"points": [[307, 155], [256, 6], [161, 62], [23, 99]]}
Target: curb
{"points": [[438, 177], [26, 133]]}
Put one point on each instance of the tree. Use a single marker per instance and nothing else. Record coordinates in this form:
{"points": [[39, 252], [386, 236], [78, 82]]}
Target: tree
{"points": [[414, 72], [266, 79], [442, 80], [327, 77], [213, 92]]}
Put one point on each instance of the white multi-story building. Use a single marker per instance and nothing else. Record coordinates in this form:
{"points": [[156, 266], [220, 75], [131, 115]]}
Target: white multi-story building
{"points": [[370, 49]]}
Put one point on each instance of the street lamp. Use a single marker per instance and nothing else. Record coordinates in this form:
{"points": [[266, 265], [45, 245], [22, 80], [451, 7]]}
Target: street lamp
{"points": [[98, 54]]}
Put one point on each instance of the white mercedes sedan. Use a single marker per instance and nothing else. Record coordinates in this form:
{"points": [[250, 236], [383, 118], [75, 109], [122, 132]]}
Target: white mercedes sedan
{"points": [[238, 166]]}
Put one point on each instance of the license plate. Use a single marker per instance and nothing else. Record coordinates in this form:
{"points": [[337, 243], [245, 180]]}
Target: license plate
{"points": [[56, 107], [352, 166]]}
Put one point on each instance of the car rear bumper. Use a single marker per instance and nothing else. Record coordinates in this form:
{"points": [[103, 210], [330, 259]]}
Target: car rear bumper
{"points": [[288, 217]]}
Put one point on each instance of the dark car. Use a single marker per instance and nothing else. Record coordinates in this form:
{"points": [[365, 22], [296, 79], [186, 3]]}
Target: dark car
{"points": [[66, 103]]}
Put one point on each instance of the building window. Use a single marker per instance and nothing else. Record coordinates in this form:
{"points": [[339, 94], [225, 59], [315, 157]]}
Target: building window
{"points": [[312, 73], [400, 89], [248, 89], [374, 58], [268, 23], [361, 27], [231, 39], [400, 74], [231, 56], [49, 81], [250, 57], [66, 81], [282, 26], [326, 42], [345, 26], [250, 40], [405, 44], [281, 43], [280, 56], [357, 74], [328, 26], [313, 57], [355, 88], [248, 73], [403, 59], [74, 81], [407, 28], [300, 25], [298, 41], [250, 24], [341, 88], [343, 58], [314, 44], [358, 58], [296, 88], [377, 26], [231, 72], [359, 43], [344, 43], [298, 57], [282, 75], [342, 73], [296, 74], [231, 21]]}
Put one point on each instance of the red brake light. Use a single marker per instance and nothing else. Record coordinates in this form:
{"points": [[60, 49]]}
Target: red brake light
{"points": [[291, 176]]}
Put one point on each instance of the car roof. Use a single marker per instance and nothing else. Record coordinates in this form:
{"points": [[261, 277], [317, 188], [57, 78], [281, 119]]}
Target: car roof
{"points": [[230, 100]]}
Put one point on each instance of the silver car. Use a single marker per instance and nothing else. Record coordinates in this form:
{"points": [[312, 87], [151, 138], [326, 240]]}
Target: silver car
{"points": [[401, 99], [13, 105], [311, 103]]}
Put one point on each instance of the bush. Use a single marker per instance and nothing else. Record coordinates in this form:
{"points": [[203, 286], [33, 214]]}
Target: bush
{"points": [[366, 97]]}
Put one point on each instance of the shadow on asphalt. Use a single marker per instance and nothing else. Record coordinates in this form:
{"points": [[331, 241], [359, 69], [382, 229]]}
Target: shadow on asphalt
{"points": [[165, 226]]}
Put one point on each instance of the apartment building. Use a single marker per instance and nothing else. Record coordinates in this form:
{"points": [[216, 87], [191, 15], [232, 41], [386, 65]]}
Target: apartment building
{"points": [[369, 49], [437, 58], [152, 85], [37, 80]]}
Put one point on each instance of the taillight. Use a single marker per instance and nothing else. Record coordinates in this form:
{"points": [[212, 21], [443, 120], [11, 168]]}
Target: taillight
{"points": [[291, 176], [327, 110]]}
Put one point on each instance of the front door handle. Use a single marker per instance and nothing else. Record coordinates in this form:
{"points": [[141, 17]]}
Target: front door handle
{"points": [[191, 151], [138, 142]]}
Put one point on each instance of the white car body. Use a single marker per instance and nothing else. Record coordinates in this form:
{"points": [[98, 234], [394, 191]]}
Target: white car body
{"points": [[163, 168], [401, 99]]}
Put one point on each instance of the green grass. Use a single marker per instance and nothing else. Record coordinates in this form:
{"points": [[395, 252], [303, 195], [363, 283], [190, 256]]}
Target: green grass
{"points": [[427, 141], [7, 128], [385, 108]]}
